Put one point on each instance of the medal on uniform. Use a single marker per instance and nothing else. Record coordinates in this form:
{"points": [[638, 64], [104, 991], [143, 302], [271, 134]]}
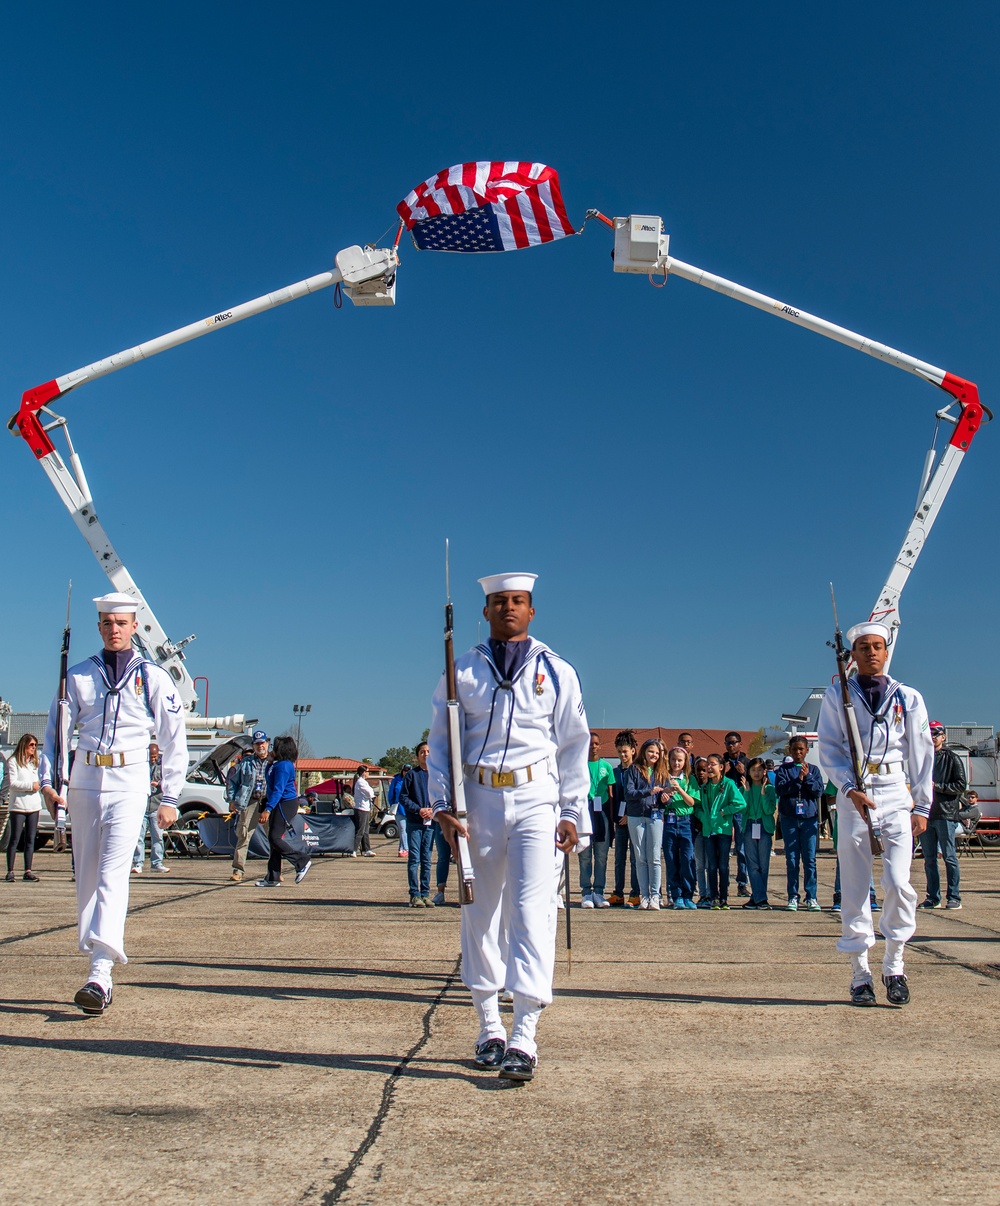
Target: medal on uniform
{"points": [[138, 683], [897, 714], [539, 679]]}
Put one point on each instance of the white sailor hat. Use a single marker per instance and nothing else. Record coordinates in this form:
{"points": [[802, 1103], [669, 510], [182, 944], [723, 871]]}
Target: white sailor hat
{"points": [[496, 583], [116, 604], [868, 628]]}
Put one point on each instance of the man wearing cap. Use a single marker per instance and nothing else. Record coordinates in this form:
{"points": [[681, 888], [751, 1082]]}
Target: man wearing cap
{"points": [[246, 790], [117, 701], [950, 783], [525, 748], [896, 747]]}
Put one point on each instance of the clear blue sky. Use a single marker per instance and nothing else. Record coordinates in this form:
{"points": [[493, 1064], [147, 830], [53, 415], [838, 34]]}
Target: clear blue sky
{"points": [[685, 474]]}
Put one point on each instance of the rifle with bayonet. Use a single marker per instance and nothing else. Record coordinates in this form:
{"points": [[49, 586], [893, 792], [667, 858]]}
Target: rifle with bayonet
{"points": [[851, 722], [456, 771]]}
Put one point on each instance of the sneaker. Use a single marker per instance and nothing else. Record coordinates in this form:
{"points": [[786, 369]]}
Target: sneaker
{"points": [[863, 994], [876, 907], [679, 903], [427, 902], [236, 877], [162, 869], [354, 854], [600, 902], [654, 902], [402, 854], [268, 883], [438, 899], [644, 902], [135, 871], [32, 878], [93, 999], [300, 875], [952, 904], [689, 903], [765, 906], [813, 906], [750, 904], [633, 902], [368, 854], [587, 902], [742, 890], [929, 904], [507, 996], [835, 908], [724, 904], [792, 906], [9, 877], [560, 903], [715, 906], [704, 903], [416, 902], [614, 899]]}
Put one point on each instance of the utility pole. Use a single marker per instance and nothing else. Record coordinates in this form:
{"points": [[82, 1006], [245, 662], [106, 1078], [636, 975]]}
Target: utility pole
{"points": [[298, 711]]}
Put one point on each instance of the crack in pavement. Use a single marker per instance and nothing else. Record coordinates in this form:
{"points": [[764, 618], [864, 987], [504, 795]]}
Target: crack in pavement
{"points": [[343, 1178]]}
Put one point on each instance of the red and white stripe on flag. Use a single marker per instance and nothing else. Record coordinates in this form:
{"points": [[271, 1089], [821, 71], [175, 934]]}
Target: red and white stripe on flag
{"points": [[525, 197]]}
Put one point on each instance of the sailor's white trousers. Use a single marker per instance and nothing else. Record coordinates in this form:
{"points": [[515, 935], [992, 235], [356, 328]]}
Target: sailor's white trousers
{"points": [[509, 931], [898, 919], [106, 806]]}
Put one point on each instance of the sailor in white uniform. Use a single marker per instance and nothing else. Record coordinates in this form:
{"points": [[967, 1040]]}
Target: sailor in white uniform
{"points": [[117, 702], [525, 747], [899, 759]]}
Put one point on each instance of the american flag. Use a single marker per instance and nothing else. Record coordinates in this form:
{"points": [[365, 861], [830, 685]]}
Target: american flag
{"points": [[498, 205]]}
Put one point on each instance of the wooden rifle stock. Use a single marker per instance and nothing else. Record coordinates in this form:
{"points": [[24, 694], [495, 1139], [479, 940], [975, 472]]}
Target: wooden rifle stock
{"points": [[466, 874], [851, 720]]}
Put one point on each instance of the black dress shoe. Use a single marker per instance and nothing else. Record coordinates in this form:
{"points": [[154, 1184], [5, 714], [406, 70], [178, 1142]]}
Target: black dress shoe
{"points": [[490, 1054], [896, 990], [92, 998], [863, 994], [516, 1065]]}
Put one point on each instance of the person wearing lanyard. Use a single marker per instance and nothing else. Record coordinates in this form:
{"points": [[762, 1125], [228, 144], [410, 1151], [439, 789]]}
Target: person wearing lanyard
{"points": [[117, 700], [594, 859], [896, 791], [799, 787], [678, 846], [246, 790], [758, 832], [720, 801]]}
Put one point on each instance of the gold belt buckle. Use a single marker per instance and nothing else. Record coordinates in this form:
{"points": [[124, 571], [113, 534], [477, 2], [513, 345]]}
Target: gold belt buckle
{"points": [[873, 767], [104, 760], [503, 779]]}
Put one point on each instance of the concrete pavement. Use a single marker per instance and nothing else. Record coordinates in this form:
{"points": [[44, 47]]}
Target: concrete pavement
{"points": [[311, 1044]]}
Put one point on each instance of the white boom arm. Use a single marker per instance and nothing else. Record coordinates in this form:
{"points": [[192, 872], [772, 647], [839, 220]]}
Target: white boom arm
{"points": [[368, 276], [641, 246]]}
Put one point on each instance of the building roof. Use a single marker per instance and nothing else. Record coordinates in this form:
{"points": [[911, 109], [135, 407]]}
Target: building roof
{"points": [[332, 766], [706, 741]]}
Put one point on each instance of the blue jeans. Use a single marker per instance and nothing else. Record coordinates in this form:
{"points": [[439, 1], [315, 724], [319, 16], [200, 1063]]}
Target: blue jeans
{"points": [[624, 853], [717, 848], [647, 842], [401, 826], [156, 842], [701, 865], [940, 835], [420, 843], [739, 824], [443, 857], [801, 835], [758, 852], [678, 854], [594, 860]]}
